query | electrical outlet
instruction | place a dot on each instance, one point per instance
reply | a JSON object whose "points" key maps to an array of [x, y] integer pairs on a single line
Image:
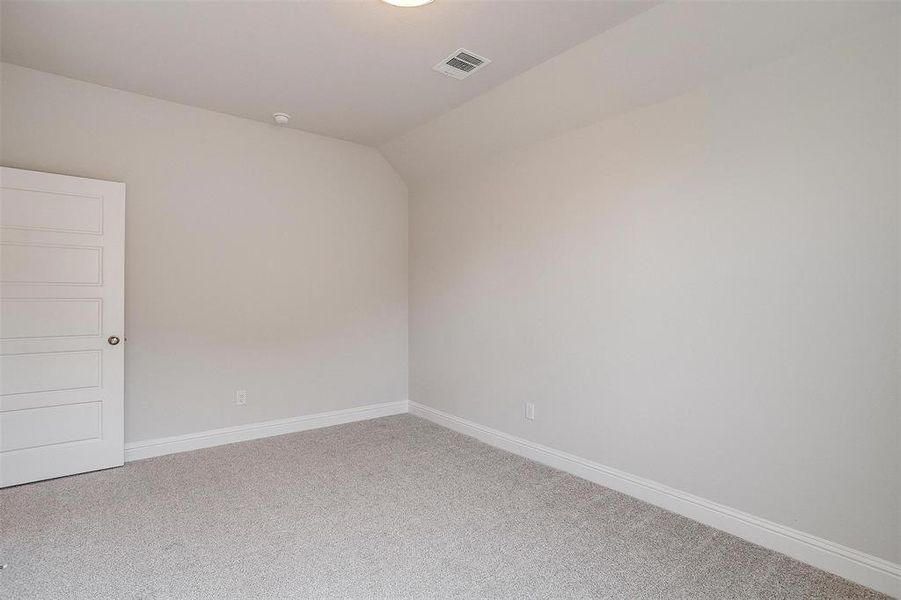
{"points": [[240, 397], [530, 411]]}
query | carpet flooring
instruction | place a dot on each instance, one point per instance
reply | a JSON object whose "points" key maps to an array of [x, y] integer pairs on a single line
{"points": [[390, 508]]}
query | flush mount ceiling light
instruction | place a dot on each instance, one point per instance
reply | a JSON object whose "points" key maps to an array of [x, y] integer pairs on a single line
{"points": [[407, 3]]}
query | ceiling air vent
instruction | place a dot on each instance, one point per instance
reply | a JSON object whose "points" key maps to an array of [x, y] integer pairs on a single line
{"points": [[461, 64]]}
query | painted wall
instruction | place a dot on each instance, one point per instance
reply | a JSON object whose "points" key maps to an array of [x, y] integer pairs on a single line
{"points": [[257, 258], [702, 291]]}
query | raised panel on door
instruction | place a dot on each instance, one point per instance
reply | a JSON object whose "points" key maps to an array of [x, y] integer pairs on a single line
{"points": [[61, 297], [49, 372], [50, 425], [47, 264], [35, 318], [52, 211]]}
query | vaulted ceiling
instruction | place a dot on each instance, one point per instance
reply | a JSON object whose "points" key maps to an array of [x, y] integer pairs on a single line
{"points": [[357, 70], [668, 50]]}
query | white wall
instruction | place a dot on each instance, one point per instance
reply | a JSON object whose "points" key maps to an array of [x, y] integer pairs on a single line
{"points": [[702, 292], [257, 258]]}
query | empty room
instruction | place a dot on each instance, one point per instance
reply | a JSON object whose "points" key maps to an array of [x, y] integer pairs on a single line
{"points": [[423, 299]]}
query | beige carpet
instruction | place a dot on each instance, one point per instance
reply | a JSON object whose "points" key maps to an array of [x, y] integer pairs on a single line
{"points": [[390, 508]]}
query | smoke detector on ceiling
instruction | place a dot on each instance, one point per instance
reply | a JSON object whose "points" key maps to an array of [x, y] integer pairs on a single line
{"points": [[281, 118], [461, 64]]}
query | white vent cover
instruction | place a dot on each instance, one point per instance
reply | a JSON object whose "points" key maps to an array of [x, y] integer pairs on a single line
{"points": [[461, 64]]}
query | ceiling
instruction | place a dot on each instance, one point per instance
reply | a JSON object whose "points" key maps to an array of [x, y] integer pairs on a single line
{"points": [[358, 70], [669, 50]]}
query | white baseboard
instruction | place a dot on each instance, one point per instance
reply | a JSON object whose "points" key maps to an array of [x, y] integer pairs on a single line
{"points": [[252, 431], [865, 569]]}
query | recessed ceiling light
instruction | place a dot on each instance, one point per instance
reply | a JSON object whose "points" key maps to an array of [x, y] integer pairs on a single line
{"points": [[407, 3]]}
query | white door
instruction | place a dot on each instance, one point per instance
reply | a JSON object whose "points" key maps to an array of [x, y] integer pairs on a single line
{"points": [[62, 313]]}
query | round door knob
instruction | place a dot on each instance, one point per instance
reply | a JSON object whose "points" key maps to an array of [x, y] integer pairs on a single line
{"points": [[113, 340]]}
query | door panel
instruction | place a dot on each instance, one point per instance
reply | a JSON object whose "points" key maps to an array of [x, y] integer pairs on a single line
{"points": [[62, 244], [34, 209], [25, 318], [49, 372], [50, 425], [50, 265]]}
